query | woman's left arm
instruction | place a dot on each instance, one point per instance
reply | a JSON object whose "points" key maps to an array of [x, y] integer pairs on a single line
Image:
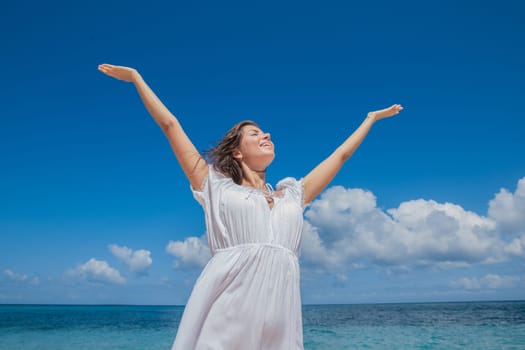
{"points": [[317, 179]]}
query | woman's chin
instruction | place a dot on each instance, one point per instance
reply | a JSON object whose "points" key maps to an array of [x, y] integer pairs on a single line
{"points": [[271, 160]]}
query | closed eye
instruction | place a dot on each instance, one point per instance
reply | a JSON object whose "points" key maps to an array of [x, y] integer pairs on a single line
{"points": [[254, 132]]}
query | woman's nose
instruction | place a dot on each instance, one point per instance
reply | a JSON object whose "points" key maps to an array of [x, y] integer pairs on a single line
{"points": [[266, 136]]}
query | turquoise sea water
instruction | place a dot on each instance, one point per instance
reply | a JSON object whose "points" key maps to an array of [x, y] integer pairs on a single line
{"points": [[474, 325]]}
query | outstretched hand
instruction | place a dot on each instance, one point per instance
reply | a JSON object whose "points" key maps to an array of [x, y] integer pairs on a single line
{"points": [[385, 113], [118, 72]]}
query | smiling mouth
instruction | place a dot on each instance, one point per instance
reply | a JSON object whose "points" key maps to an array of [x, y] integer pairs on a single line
{"points": [[266, 144]]}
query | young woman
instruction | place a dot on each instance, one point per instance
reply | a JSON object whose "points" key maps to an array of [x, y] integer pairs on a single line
{"points": [[247, 296]]}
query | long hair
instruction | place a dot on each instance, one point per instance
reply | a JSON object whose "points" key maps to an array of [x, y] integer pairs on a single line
{"points": [[221, 156]]}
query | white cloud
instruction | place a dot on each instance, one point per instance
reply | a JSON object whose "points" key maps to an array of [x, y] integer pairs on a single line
{"points": [[516, 246], [490, 281], [13, 276], [345, 227], [138, 261], [315, 252], [467, 283], [192, 252], [97, 271], [21, 278], [508, 209], [345, 230], [447, 233]]}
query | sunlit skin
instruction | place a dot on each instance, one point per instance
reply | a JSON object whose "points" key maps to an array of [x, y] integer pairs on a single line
{"points": [[253, 154]]}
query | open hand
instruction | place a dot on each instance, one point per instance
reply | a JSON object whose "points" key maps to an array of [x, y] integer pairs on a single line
{"points": [[118, 72], [385, 113]]}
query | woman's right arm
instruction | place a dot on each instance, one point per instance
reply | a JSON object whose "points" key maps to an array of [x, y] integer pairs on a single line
{"points": [[192, 163]]}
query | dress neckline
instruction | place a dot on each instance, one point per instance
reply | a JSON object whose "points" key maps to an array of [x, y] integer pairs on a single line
{"points": [[274, 195], [250, 190], [279, 194]]}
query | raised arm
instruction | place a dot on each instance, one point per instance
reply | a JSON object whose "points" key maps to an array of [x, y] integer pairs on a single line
{"points": [[192, 163], [317, 179]]}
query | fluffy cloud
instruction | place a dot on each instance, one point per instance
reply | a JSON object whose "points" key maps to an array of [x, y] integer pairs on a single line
{"points": [[21, 278], [490, 281], [314, 251], [345, 230], [138, 261], [192, 252], [97, 271], [508, 209], [344, 227]]}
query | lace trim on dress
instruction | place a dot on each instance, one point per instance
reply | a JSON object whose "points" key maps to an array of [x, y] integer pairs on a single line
{"points": [[303, 204], [268, 192], [296, 186]]}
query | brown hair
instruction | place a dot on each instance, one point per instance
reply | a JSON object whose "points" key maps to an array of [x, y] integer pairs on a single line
{"points": [[221, 155]]}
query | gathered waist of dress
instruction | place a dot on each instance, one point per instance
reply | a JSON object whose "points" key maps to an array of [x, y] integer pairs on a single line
{"points": [[248, 245]]}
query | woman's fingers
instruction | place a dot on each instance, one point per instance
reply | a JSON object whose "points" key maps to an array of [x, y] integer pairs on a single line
{"points": [[108, 70], [397, 108], [106, 67], [387, 112], [118, 72], [103, 67]]}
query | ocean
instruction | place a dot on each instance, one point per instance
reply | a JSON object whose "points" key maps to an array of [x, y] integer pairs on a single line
{"points": [[470, 325]]}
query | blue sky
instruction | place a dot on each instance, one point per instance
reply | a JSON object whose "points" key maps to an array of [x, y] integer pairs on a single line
{"points": [[95, 209]]}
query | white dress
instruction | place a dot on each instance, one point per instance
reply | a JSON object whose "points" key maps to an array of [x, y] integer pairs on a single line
{"points": [[247, 296]]}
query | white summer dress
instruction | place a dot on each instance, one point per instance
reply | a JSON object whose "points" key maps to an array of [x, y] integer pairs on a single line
{"points": [[247, 297]]}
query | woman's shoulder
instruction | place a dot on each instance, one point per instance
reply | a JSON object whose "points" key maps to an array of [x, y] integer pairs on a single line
{"points": [[289, 182], [213, 171], [294, 187], [213, 182]]}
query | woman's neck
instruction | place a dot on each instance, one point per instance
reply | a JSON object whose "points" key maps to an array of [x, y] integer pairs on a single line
{"points": [[254, 178]]}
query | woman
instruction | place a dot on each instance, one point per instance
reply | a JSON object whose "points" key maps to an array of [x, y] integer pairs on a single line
{"points": [[247, 296]]}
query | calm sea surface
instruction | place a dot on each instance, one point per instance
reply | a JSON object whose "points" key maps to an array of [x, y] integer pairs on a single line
{"points": [[484, 325]]}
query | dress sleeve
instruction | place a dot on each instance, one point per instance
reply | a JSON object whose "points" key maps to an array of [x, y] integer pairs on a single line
{"points": [[296, 188], [209, 185], [199, 194]]}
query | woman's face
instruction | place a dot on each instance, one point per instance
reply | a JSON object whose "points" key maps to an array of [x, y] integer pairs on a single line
{"points": [[256, 148]]}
